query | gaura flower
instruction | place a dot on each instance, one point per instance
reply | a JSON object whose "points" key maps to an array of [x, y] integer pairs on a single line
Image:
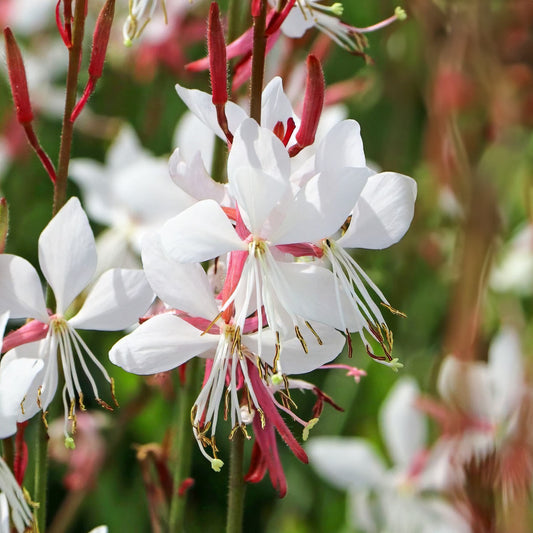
{"points": [[12, 497], [67, 257], [187, 330], [405, 498]]}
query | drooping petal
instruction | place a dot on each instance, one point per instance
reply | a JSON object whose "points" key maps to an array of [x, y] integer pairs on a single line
{"points": [[322, 206], [293, 359], [160, 344], [189, 289], [383, 213], [200, 233], [16, 377], [21, 292], [67, 253], [192, 177], [403, 427], [201, 105], [341, 147], [346, 462], [257, 147], [116, 301]]}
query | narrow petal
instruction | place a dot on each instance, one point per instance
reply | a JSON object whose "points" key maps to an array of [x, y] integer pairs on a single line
{"points": [[116, 301], [346, 462], [383, 213], [21, 292], [67, 253], [162, 343], [341, 147], [258, 148], [403, 427], [183, 286], [322, 206], [200, 233]]}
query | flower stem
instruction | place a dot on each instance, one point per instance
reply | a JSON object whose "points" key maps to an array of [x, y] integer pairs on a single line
{"points": [[40, 457], [236, 485], [258, 63], [60, 189], [183, 444]]}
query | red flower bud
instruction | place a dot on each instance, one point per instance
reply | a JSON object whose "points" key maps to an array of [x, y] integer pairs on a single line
{"points": [[17, 79], [217, 56]]}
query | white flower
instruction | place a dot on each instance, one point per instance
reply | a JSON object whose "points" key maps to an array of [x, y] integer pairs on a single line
{"points": [[171, 339], [403, 499], [131, 193], [67, 257]]}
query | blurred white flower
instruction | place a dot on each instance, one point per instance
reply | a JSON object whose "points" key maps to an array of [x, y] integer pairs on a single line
{"points": [[401, 499]]}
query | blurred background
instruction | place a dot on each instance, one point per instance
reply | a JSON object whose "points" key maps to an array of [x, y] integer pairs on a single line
{"points": [[448, 100]]}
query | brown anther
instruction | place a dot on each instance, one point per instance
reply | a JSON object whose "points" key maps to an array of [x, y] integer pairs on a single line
{"points": [[113, 395], [317, 337], [72, 409], [393, 311], [349, 341], [103, 404], [80, 402], [301, 339]]}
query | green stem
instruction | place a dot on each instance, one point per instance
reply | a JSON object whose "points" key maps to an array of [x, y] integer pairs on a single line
{"points": [[74, 57], [258, 64], [184, 441], [8, 451], [40, 458], [237, 485]]}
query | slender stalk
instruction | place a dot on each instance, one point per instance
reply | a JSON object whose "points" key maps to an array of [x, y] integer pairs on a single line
{"points": [[60, 189], [183, 441], [258, 63], [40, 457], [237, 486], [8, 450]]}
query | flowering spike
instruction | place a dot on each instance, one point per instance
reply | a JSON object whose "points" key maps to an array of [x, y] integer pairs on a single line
{"points": [[96, 65], [4, 224], [313, 102]]}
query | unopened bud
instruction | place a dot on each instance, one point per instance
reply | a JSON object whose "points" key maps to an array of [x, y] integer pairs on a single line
{"points": [[312, 109], [17, 79], [217, 56]]}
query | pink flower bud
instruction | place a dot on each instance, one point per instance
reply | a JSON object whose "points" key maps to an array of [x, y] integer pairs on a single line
{"points": [[217, 56]]}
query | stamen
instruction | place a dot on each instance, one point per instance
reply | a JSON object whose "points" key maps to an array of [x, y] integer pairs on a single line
{"points": [[318, 339], [301, 339]]}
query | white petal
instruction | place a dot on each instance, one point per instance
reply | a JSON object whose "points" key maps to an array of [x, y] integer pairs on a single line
{"points": [[95, 183], [403, 427], [258, 148], [296, 24], [183, 286], [21, 292], [160, 344], [256, 194], [341, 147], [193, 136], [507, 373], [192, 177], [312, 295], [116, 301], [200, 233], [293, 359], [322, 206], [466, 386], [16, 377], [67, 253], [346, 462], [383, 213], [275, 106], [202, 106], [125, 147]]}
